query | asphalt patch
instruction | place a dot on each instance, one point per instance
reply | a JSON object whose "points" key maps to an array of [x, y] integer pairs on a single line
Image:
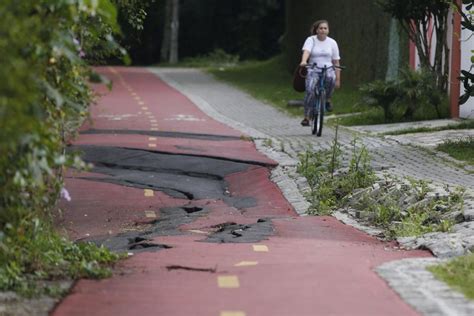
{"points": [[162, 134], [241, 233], [180, 176], [166, 225]]}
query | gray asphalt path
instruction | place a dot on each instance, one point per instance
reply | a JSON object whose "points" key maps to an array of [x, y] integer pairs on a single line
{"points": [[402, 155]]}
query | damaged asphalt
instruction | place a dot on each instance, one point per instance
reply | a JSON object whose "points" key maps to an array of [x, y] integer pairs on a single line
{"points": [[209, 232], [180, 176]]}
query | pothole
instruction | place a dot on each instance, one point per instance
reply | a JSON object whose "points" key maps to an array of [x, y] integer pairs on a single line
{"points": [[231, 232], [192, 209], [138, 243]]}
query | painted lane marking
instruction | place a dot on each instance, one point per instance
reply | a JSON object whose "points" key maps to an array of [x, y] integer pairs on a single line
{"points": [[149, 193], [153, 121], [232, 313], [152, 145], [196, 231], [228, 282], [150, 214], [153, 129], [260, 248], [185, 117], [144, 108], [141, 103], [152, 139], [246, 264]]}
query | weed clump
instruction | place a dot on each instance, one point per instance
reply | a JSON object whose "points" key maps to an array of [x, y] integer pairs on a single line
{"points": [[401, 207]]}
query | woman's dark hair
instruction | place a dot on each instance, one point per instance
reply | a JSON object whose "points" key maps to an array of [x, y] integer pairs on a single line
{"points": [[315, 26]]}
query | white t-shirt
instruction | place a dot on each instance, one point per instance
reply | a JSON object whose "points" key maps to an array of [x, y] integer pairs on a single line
{"points": [[321, 52]]}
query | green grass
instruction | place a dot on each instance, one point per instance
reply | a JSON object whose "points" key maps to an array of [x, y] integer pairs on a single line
{"points": [[467, 124], [461, 149], [269, 81], [457, 273]]}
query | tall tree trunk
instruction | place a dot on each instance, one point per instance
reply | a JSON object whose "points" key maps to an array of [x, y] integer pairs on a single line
{"points": [[165, 45], [174, 32]]}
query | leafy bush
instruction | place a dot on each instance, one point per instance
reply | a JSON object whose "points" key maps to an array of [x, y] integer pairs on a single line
{"points": [[44, 97], [402, 97]]}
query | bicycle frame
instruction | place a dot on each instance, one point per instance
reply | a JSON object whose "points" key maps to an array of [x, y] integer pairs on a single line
{"points": [[317, 113]]}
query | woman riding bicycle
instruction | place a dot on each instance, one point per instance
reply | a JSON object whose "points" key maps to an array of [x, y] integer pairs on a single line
{"points": [[321, 50]]}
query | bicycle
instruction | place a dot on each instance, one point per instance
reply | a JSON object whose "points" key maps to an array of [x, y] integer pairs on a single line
{"points": [[317, 113]]}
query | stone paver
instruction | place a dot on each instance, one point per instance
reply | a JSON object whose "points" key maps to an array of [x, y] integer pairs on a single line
{"points": [[418, 287], [405, 155]]}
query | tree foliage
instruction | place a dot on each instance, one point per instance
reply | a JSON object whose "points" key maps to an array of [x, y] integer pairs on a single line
{"points": [[248, 28], [415, 17], [45, 47]]}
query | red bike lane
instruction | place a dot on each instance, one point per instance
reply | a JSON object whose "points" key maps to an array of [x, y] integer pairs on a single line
{"points": [[231, 246]]}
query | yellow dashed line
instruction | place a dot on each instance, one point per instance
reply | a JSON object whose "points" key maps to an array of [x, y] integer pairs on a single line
{"points": [[228, 282], [197, 231], [246, 264], [260, 248], [148, 192], [232, 313], [150, 214]]}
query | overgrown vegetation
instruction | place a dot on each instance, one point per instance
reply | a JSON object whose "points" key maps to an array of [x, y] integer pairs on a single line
{"points": [[400, 99], [328, 183], [44, 97], [461, 149], [458, 273], [415, 17], [408, 207], [401, 207], [270, 82]]}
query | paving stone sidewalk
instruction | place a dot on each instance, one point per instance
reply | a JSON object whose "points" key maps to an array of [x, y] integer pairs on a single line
{"points": [[403, 155]]}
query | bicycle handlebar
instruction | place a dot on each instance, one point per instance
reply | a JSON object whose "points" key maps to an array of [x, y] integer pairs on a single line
{"points": [[325, 67]]}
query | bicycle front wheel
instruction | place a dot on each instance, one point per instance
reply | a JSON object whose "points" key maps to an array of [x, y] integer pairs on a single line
{"points": [[317, 127]]}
